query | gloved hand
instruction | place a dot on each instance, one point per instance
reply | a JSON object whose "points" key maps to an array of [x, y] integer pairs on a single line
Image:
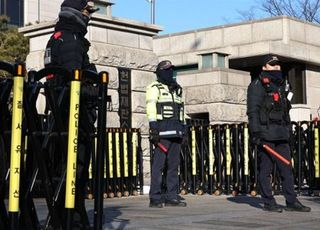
{"points": [[154, 132], [154, 136], [255, 138]]}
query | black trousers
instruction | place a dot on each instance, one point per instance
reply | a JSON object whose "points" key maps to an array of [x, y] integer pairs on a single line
{"points": [[265, 171], [158, 164]]}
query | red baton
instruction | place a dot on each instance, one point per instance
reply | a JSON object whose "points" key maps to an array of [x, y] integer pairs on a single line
{"points": [[277, 155], [163, 149]]}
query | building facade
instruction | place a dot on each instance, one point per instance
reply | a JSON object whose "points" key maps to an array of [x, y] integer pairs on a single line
{"points": [[213, 65], [221, 62]]}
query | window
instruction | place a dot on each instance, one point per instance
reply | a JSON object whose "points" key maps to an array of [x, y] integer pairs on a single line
{"points": [[221, 60], [207, 61]]}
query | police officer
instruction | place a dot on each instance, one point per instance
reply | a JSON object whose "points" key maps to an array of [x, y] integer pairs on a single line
{"points": [[268, 105], [165, 111], [68, 48]]}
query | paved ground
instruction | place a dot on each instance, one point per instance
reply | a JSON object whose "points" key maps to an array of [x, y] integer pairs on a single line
{"points": [[206, 212], [202, 212]]}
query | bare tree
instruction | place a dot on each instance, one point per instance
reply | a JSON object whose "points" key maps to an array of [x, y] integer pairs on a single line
{"points": [[248, 15], [307, 10]]}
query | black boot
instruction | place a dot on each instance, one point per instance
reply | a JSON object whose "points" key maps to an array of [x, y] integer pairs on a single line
{"points": [[155, 203], [175, 203], [272, 208], [297, 207]]}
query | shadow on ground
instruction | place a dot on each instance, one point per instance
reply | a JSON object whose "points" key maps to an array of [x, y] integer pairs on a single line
{"points": [[255, 202], [313, 199], [111, 218]]}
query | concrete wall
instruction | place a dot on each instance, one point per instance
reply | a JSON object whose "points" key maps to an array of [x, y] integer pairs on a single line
{"points": [[284, 36], [36, 11], [301, 112], [220, 92], [313, 89]]}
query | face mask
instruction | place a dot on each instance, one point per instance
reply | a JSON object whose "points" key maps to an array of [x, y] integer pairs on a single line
{"points": [[277, 74], [166, 76]]}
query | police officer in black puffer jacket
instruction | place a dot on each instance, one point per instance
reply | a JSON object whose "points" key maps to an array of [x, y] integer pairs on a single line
{"points": [[68, 48], [268, 105]]}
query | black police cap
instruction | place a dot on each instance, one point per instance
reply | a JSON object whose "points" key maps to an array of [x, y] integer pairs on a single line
{"points": [[166, 64], [271, 60], [80, 5], [76, 4]]}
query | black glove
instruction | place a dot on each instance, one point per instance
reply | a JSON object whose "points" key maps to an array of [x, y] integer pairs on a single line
{"points": [[154, 136], [255, 138]]}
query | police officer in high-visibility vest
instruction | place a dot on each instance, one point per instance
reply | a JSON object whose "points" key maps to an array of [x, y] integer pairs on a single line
{"points": [[165, 111], [268, 105]]}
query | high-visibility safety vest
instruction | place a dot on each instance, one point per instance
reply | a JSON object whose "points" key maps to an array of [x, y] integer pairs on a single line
{"points": [[166, 108]]}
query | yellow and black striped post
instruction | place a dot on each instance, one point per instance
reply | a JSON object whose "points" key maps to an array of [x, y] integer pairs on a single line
{"points": [[118, 164], [228, 159], [110, 165], [211, 158], [193, 158], [16, 146], [246, 156], [125, 163], [72, 145], [134, 143], [316, 153]]}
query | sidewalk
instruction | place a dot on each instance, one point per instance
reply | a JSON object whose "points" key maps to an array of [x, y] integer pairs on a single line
{"points": [[206, 212]]}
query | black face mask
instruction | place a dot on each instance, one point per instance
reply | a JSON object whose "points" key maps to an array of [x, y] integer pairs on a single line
{"points": [[276, 76], [165, 76]]}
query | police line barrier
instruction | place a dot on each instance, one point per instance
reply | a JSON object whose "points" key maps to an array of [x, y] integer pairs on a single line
{"points": [[43, 148], [123, 171], [219, 159]]}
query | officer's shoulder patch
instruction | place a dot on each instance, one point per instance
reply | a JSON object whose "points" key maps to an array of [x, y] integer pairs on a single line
{"points": [[57, 35]]}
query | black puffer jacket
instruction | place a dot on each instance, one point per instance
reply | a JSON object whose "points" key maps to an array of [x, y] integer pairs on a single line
{"points": [[68, 48], [268, 109]]}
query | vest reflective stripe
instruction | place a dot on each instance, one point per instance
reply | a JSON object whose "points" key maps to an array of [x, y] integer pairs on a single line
{"points": [[170, 133]]}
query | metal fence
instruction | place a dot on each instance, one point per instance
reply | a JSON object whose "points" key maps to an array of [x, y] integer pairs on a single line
{"points": [[38, 152], [219, 159]]}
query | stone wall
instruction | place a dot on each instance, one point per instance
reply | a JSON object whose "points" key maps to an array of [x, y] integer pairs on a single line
{"points": [[313, 89], [36, 11], [220, 92]]}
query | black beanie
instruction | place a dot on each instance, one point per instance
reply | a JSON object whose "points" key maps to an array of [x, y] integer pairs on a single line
{"points": [[76, 4]]}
